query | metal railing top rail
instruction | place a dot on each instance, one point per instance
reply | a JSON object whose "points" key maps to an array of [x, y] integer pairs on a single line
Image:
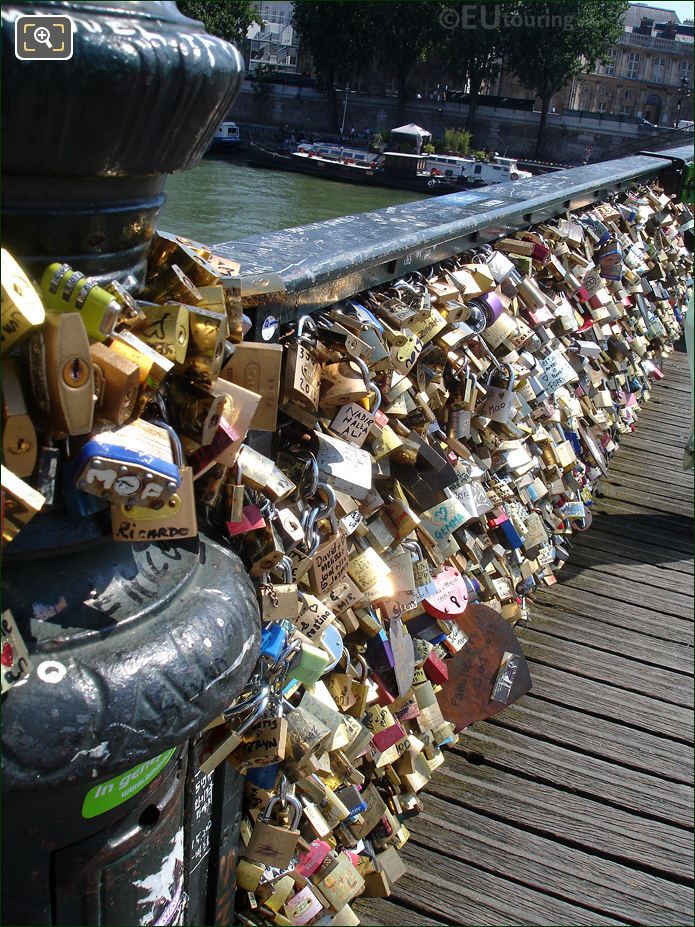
{"points": [[305, 268]]}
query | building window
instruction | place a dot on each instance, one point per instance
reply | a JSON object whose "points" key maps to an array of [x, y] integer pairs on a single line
{"points": [[686, 71], [659, 70], [602, 107], [626, 110], [609, 62], [632, 65]]}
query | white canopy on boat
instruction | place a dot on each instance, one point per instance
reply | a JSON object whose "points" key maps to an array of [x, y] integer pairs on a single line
{"points": [[411, 135]]}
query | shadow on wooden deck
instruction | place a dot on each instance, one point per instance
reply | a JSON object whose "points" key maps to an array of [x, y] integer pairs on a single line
{"points": [[575, 806]]}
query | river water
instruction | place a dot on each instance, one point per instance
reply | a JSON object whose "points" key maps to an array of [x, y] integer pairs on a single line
{"points": [[223, 199]]}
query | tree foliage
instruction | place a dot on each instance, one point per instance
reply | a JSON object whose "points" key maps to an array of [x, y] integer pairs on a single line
{"points": [[228, 19], [549, 43], [337, 35], [473, 49], [404, 34]]}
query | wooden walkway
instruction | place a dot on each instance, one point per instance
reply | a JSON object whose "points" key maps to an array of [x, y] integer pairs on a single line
{"points": [[575, 806]]}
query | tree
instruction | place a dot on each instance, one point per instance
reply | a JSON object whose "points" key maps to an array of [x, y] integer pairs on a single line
{"points": [[337, 35], [228, 19], [405, 33], [550, 43], [473, 49]]}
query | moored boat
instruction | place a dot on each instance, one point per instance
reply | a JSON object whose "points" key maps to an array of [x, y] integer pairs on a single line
{"points": [[227, 139], [334, 162]]}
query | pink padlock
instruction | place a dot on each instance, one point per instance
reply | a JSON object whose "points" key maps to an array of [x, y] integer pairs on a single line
{"points": [[310, 861], [451, 596]]}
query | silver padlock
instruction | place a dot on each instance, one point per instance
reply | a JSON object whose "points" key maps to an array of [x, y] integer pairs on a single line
{"points": [[499, 404]]}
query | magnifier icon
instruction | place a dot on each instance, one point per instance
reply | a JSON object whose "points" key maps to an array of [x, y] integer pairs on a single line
{"points": [[42, 35]]}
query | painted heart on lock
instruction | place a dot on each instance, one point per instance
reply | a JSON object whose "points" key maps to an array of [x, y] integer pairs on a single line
{"points": [[450, 597]]}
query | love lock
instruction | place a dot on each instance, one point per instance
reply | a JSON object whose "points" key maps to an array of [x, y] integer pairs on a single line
{"points": [[275, 844], [451, 596], [500, 403]]}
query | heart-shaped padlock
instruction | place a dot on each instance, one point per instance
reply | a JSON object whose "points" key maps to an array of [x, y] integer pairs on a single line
{"points": [[450, 597]]}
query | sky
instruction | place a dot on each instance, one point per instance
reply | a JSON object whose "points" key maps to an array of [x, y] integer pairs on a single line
{"points": [[684, 8]]}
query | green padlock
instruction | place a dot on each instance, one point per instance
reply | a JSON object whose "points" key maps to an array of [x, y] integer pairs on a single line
{"points": [[66, 290], [309, 664]]}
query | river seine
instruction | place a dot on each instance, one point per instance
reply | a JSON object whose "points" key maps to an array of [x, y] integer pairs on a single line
{"points": [[223, 199]]}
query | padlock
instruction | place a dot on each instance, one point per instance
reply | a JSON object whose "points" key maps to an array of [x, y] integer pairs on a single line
{"points": [[66, 290], [62, 375], [195, 412], [205, 353], [16, 665], [20, 503], [153, 367], [175, 520], [117, 384], [134, 463], [273, 844], [499, 404], [19, 441], [340, 685], [22, 309], [309, 664], [165, 328], [257, 367], [279, 601], [256, 704], [352, 422], [302, 368]]}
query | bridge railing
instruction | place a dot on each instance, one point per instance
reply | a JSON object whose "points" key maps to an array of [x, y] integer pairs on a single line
{"points": [[303, 269]]}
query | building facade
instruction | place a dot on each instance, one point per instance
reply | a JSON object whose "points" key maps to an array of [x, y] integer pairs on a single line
{"points": [[642, 75], [646, 73], [274, 43]]}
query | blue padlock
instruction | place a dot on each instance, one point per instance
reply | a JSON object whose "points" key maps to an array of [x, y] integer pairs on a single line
{"points": [[511, 535], [263, 776], [273, 641]]}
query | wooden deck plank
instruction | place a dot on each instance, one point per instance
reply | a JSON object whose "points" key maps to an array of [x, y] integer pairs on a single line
{"points": [[652, 488], [381, 912], [571, 819], [654, 532], [614, 563], [477, 895], [628, 550], [610, 740], [608, 612], [621, 463], [673, 531], [626, 642], [620, 672], [634, 791], [609, 889], [605, 701], [665, 601]]}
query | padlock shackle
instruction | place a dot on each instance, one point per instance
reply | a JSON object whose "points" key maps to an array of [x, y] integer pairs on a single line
{"points": [[414, 548], [306, 321], [265, 816], [249, 702], [177, 449], [310, 461]]}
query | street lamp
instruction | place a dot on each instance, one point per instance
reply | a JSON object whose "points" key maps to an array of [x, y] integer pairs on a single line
{"points": [[346, 92], [685, 91]]}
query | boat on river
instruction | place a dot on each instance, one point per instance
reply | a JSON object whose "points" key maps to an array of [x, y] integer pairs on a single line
{"points": [[471, 172], [353, 165], [226, 140]]}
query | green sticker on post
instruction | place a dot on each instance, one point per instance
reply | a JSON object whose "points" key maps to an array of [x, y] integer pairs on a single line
{"points": [[114, 792]]}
